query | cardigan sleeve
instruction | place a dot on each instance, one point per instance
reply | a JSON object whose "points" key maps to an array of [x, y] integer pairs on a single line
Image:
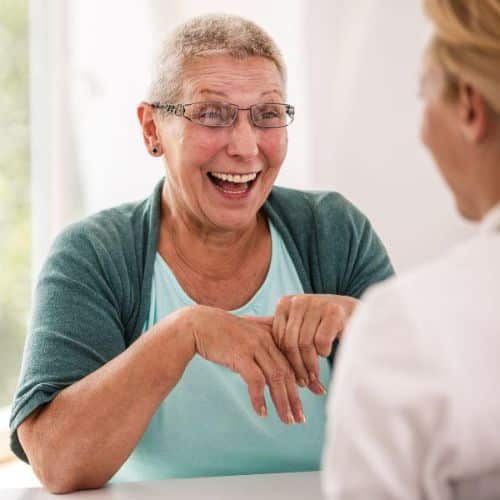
{"points": [[368, 263], [351, 255], [77, 323]]}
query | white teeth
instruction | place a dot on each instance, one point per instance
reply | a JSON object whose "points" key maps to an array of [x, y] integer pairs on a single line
{"points": [[235, 178]]}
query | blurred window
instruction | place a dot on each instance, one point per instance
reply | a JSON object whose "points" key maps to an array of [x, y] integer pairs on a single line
{"points": [[15, 188]]}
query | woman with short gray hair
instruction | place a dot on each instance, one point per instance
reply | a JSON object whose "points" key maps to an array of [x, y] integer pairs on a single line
{"points": [[155, 322]]}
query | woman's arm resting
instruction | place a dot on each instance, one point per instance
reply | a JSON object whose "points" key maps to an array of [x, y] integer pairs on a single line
{"points": [[81, 438]]}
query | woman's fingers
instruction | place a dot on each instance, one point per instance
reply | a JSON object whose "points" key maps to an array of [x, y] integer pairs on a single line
{"points": [[286, 329], [291, 384], [280, 378], [246, 346], [252, 374], [332, 323], [306, 342], [275, 378], [263, 320], [304, 328]]}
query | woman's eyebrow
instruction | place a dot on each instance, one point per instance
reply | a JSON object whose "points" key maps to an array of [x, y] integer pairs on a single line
{"points": [[275, 91]]}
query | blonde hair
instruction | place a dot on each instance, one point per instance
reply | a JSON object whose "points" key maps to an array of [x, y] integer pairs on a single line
{"points": [[207, 35], [466, 44]]}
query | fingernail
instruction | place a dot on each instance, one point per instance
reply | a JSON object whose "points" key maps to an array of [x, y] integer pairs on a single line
{"points": [[322, 387], [302, 382], [318, 388], [263, 411], [312, 376], [289, 418], [302, 417]]}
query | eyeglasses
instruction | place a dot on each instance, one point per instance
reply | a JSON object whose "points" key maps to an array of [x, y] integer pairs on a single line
{"points": [[224, 114]]}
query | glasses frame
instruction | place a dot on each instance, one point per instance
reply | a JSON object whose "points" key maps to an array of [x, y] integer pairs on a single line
{"points": [[180, 110]]}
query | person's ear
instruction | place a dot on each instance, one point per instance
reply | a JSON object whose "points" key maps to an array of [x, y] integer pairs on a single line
{"points": [[473, 113], [145, 113]]}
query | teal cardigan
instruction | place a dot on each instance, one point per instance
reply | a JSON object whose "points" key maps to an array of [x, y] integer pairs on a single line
{"points": [[93, 293]]}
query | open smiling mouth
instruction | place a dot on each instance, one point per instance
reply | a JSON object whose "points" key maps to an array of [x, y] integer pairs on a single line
{"points": [[233, 184]]}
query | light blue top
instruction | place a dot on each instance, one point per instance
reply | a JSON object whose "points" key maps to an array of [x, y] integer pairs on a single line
{"points": [[207, 426]]}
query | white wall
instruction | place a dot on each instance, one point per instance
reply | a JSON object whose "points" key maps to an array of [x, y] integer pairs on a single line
{"points": [[364, 58], [110, 44]]}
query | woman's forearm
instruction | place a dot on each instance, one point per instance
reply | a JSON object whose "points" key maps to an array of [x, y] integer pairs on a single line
{"points": [[87, 432]]}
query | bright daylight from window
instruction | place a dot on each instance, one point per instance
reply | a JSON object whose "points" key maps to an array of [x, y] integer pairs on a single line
{"points": [[15, 188]]}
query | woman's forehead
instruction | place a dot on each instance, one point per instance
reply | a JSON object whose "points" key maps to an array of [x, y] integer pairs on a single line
{"points": [[225, 77]]}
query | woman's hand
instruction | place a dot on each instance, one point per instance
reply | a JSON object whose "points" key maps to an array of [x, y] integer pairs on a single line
{"points": [[305, 326], [248, 348]]}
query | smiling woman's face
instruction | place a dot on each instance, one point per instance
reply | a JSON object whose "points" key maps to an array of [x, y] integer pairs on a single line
{"points": [[194, 152]]}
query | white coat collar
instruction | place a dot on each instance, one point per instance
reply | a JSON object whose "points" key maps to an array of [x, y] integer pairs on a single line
{"points": [[491, 221]]}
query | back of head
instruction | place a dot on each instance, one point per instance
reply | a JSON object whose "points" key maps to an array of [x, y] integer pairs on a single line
{"points": [[205, 36], [466, 44]]}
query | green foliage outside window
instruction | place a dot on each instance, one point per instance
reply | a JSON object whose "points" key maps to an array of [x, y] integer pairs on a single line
{"points": [[15, 187]]}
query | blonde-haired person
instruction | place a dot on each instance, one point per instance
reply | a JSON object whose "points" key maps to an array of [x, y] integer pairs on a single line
{"points": [[415, 408], [175, 337]]}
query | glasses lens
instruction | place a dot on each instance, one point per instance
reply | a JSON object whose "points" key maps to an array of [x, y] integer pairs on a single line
{"points": [[272, 115], [211, 114]]}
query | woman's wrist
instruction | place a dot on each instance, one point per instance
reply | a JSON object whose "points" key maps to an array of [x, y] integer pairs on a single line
{"points": [[177, 328]]}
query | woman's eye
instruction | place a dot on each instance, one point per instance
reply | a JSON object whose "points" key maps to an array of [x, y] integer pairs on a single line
{"points": [[210, 114], [270, 112]]}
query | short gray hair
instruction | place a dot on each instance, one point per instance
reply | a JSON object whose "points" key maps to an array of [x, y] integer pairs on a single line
{"points": [[208, 35]]}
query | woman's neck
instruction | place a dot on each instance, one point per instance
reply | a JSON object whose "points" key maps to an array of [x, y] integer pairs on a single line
{"points": [[209, 252]]}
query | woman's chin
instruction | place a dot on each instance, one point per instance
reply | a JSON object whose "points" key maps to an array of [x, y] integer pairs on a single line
{"points": [[232, 220], [232, 211]]}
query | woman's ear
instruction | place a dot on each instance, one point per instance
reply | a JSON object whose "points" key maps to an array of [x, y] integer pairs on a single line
{"points": [[145, 113], [473, 113]]}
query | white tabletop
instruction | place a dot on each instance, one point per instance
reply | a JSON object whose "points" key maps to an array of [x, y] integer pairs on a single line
{"points": [[290, 486]]}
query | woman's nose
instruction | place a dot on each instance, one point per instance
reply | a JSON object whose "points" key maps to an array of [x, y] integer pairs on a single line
{"points": [[243, 139]]}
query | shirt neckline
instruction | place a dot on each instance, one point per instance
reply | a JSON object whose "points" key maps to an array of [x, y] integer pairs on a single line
{"points": [[188, 300]]}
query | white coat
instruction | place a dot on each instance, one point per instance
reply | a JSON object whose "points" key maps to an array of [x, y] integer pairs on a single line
{"points": [[414, 409]]}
